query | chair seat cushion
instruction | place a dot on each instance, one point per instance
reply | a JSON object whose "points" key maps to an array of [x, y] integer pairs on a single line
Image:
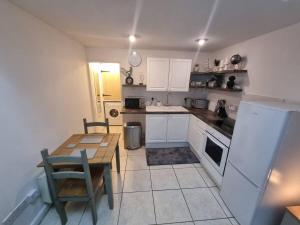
{"points": [[77, 187]]}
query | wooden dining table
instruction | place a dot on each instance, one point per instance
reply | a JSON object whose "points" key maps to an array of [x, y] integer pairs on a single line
{"points": [[103, 156]]}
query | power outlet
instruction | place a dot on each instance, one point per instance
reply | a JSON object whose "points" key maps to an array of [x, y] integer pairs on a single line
{"points": [[29, 199]]}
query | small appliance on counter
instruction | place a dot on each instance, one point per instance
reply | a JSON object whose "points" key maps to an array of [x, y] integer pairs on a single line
{"points": [[134, 102], [221, 108], [188, 102], [200, 103]]}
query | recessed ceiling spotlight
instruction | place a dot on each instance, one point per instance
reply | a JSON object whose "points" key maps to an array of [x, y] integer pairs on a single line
{"points": [[132, 38], [201, 41]]}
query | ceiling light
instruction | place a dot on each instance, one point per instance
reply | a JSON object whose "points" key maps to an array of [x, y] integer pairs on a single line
{"points": [[132, 38], [201, 41]]}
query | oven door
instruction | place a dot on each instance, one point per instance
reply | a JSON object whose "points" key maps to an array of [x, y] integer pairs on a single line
{"points": [[216, 153]]}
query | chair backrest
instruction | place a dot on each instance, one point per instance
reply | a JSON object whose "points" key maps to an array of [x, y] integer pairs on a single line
{"points": [[86, 125], [54, 176]]}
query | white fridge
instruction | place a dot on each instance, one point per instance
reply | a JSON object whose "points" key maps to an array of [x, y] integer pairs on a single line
{"points": [[262, 173]]}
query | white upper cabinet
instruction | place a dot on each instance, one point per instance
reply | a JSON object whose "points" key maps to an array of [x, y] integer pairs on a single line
{"points": [[157, 74], [168, 74], [179, 77]]}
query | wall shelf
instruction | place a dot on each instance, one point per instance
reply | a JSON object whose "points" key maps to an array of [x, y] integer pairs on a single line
{"points": [[134, 85], [224, 72], [220, 89]]}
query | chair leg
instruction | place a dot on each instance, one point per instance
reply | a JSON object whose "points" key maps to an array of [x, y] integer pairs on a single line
{"points": [[60, 209], [104, 187], [94, 210]]}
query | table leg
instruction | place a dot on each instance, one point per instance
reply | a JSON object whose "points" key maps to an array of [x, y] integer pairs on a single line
{"points": [[108, 185], [118, 158]]}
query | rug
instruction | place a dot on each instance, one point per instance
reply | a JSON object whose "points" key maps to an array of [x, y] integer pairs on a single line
{"points": [[169, 156]]}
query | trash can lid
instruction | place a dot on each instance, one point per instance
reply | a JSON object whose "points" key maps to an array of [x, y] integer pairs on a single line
{"points": [[132, 124]]}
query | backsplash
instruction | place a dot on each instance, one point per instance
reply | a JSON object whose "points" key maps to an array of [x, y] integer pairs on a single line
{"points": [[170, 98]]}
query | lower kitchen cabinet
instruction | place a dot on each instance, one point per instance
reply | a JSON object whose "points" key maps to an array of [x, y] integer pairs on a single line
{"points": [[177, 128], [196, 135], [156, 128], [166, 128]]}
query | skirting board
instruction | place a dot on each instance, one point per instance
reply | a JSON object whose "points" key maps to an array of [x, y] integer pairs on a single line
{"points": [[167, 145], [40, 215]]}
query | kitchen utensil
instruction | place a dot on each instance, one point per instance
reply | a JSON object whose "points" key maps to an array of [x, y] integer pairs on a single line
{"points": [[200, 103], [220, 109], [188, 102]]}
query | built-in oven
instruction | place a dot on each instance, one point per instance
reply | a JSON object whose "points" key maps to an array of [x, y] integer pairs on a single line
{"points": [[216, 152]]}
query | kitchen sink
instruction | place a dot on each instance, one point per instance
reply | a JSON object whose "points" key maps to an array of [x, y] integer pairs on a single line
{"points": [[152, 108]]}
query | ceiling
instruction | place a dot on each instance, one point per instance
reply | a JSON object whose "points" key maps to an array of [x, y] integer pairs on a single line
{"points": [[164, 24]]}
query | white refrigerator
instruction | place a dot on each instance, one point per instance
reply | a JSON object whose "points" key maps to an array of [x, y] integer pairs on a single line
{"points": [[262, 173]]}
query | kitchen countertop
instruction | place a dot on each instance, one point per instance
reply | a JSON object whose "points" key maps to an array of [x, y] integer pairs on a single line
{"points": [[143, 111], [205, 115]]}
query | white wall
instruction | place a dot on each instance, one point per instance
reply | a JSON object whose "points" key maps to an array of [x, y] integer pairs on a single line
{"points": [[121, 56], [44, 95], [272, 63]]}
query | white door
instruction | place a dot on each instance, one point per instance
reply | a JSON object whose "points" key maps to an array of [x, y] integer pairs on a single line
{"points": [[179, 77], [156, 128], [157, 74], [256, 135], [177, 128]]}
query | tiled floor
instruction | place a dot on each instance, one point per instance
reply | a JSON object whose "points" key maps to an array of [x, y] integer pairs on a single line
{"points": [[174, 195]]}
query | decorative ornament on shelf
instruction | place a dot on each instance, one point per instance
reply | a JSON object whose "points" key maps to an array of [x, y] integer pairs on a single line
{"points": [[230, 83], [196, 68], [236, 61], [141, 76], [216, 64], [128, 74]]}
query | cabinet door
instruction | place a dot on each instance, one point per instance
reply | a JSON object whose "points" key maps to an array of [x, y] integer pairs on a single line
{"points": [[196, 138], [157, 74], [156, 128], [179, 77], [177, 128]]}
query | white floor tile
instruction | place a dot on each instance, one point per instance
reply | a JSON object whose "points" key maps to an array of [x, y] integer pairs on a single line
{"points": [[209, 182], [117, 181], [164, 179], [233, 221], [213, 222], [187, 223], [202, 204], [158, 167], [216, 193], [106, 216], [74, 212], [182, 166], [141, 151], [136, 162], [137, 209], [170, 207], [137, 180], [189, 178]]}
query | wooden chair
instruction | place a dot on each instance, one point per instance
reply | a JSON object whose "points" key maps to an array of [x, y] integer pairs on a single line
{"points": [[81, 184], [86, 125]]}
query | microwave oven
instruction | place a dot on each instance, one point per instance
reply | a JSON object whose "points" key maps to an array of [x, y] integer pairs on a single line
{"points": [[134, 102]]}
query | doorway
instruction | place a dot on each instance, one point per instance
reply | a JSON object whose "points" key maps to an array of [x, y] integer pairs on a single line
{"points": [[106, 92]]}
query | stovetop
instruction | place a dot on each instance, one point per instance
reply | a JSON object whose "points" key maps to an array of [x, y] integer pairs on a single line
{"points": [[226, 125]]}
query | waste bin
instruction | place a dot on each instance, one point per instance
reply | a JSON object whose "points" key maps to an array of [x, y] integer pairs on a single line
{"points": [[132, 135]]}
